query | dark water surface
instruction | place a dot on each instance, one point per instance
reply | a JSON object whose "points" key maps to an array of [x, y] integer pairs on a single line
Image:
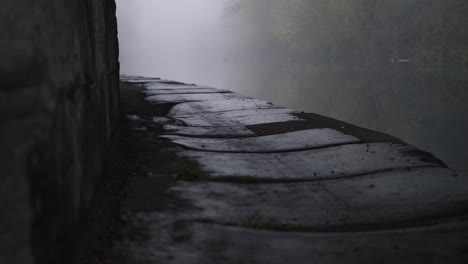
{"points": [[424, 108]]}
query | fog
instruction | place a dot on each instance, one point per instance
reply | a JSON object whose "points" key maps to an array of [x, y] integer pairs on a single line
{"points": [[177, 39], [396, 66]]}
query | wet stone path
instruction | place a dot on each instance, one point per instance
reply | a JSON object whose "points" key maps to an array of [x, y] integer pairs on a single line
{"points": [[224, 178]]}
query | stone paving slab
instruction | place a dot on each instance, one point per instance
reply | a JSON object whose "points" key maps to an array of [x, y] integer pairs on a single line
{"points": [[172, 87], [327, 163], [205, 107], [376, 201], [240, 117], [298, 140], [234, 131], [140, 81], [191, 242], [185, 91], [180, 98], [343, 201]]}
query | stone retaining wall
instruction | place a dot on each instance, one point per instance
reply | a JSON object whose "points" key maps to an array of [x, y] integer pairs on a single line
{"points": [[59, 99]]}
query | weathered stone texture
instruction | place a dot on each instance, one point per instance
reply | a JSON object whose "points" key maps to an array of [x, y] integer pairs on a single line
{"points": [[59, 75]]}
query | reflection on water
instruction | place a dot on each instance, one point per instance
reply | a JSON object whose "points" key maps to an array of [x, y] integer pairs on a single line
{"points": [[396, 66], [427, 109]]}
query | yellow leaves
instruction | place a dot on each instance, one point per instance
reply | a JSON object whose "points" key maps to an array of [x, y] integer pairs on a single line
{"points": [[284, 26], [305, 26]]}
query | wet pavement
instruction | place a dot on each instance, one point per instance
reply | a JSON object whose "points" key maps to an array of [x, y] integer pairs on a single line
{"points": [[223, 178]]}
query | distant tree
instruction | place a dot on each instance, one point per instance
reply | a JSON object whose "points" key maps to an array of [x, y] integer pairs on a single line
{"points": [[429, 33]]}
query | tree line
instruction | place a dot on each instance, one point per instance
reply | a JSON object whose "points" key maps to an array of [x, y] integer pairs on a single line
{"points": [[427, 34]]}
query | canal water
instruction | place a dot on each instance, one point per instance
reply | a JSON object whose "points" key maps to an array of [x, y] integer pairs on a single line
{"points": [[427, 109]]}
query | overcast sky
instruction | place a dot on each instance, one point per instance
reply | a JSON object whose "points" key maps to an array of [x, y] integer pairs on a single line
{"points": [[173, 39]]}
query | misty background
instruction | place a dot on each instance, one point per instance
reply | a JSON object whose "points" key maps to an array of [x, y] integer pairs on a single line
{"points": [[178, 39], [396, 66]]}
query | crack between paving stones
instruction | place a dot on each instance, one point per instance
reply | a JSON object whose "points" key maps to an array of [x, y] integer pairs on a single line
{"points": [[255, 180], [189, 93], [264, 152], [415, 223], [234, 110]]}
